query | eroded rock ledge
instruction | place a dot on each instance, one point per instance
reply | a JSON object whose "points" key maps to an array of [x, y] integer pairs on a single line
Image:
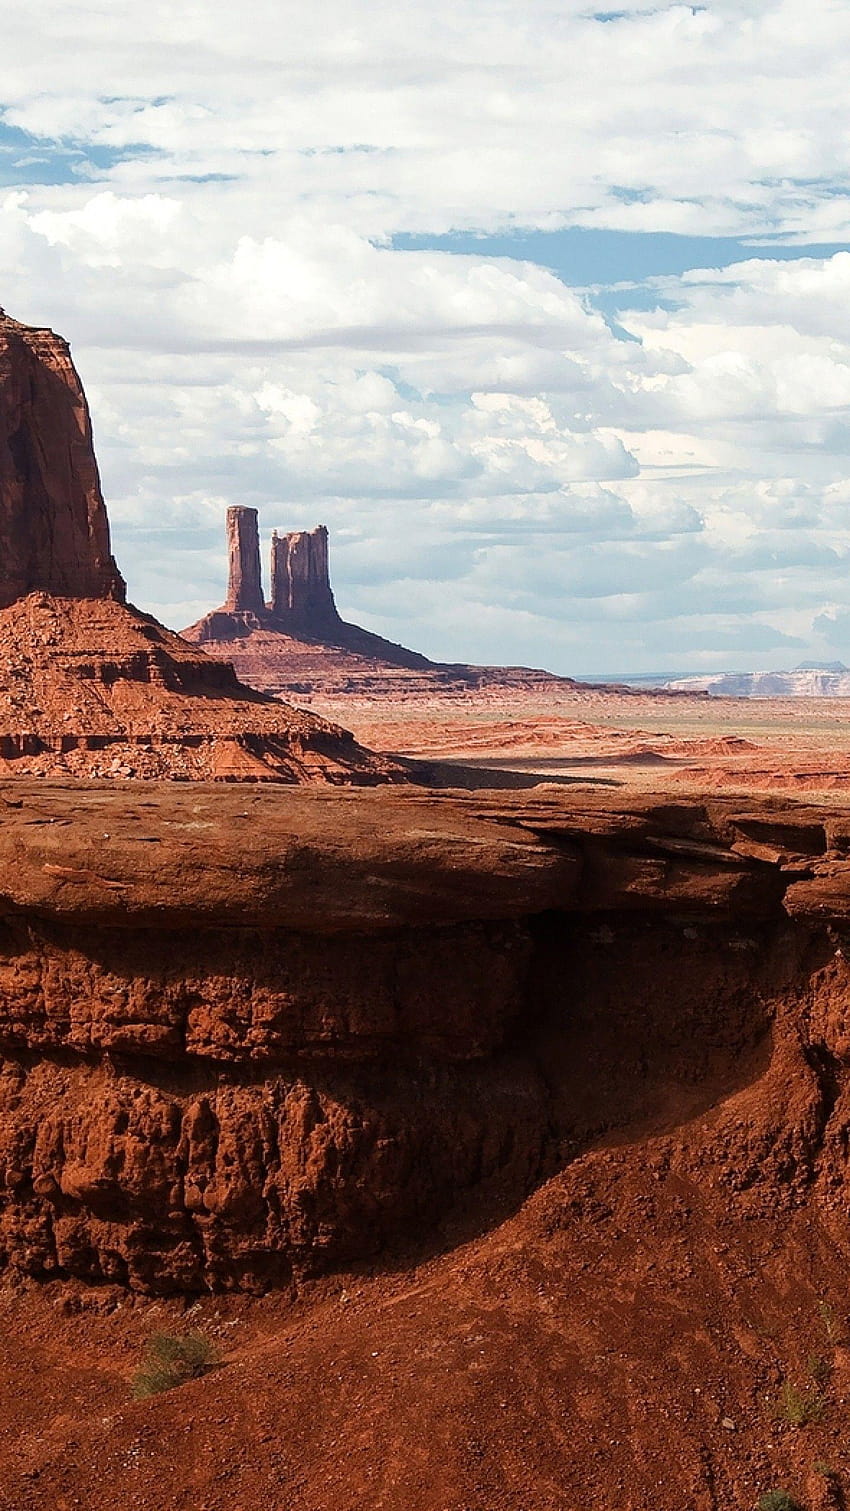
{"points": [[251, 1035]]}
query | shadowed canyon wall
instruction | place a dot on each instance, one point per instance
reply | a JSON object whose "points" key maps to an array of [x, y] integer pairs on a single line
{"points": [[244, 1043]]}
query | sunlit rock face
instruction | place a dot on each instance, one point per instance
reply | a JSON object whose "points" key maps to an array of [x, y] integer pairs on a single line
{"points": [[54, 532], [89, 685]]}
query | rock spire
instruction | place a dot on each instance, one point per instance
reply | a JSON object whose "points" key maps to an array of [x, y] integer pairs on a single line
{"points": [[300, 578], [245, 584], [301, 612]]}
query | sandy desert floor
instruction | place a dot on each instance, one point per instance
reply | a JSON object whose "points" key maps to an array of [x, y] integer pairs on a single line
{"points": [[644, 741]]}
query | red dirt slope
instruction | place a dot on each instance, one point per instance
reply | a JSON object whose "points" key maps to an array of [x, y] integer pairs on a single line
{"points": [[581, 1209], [90, 687]]}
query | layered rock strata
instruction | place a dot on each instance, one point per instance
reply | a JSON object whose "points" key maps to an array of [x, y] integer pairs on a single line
{"points": [[88, 685], [249, 1039]]}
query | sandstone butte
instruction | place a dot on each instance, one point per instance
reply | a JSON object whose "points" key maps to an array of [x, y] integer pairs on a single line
{"points": [[89, 685], [296, 644], [498, 1140]]}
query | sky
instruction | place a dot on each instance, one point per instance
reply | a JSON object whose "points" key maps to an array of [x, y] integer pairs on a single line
{"points": [[544, 311]]}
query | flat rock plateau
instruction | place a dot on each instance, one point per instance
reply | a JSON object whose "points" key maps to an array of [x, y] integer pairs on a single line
{"points": [[499, 1141], [484, 1101]]}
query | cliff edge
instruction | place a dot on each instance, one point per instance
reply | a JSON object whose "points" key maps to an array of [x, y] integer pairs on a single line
{"points": [[54, 532], [89, 686]]}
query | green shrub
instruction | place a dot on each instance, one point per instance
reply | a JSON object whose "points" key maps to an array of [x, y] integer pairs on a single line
{"points": [[171, 1359], [778, 1500], [798, 1407], [820, 1369], [821, 1467]]}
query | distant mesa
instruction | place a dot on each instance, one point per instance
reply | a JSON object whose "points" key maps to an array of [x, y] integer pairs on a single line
{"points": [[89, 686], [297, 645], [813, 679], [301, 605]]}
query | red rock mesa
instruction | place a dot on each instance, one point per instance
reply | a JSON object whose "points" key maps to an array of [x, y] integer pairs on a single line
{"points": [[54, 533], [298, 645], [88, 685]]}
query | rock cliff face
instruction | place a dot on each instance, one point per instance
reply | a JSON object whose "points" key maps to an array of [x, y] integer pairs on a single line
{"points": [[301, 584], [245, 1044], [54, 533], [244, 583], [804, 682], [88, 685]]}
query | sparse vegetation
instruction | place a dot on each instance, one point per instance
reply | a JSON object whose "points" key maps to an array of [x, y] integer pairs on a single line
{"points": [[799, 1407], [833, 1330], [778, 1500], [820, 1370], [171, 1359]]}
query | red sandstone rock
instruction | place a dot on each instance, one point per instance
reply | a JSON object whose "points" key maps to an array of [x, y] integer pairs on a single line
{"points": [[302, 613], [407, 991], [301, 584], [54, 533], [244, 584], [96, 689], [88, 686], [585, 1171]]}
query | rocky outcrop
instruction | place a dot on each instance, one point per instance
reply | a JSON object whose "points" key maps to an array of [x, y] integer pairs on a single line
{"points": [[250, 1038], [300, 579], [302, 610], [91, 688], [244, 583], [54, 533], [88, 685]]}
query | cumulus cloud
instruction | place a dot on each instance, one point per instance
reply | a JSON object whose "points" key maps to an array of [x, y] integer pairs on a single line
{"points": [[502, 465]]}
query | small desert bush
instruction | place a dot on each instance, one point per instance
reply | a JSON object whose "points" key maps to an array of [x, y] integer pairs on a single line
{"points": [[778, 1500], [171, 1359], [834, 1330], [820, 1370], [798, 1407], [821, 1467]]}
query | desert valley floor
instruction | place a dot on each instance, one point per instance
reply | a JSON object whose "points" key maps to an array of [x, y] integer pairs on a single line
{"points": [[638, 741]]}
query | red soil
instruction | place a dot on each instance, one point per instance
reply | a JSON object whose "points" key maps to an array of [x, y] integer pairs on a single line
{"points": [[92, 688], [576, 1204]]}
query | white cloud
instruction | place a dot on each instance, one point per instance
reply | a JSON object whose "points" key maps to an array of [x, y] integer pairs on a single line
{"points": [[493, 459]]}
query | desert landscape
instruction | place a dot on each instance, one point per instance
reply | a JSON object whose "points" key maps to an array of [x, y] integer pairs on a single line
{"points": [[456, 1057], [505, 722]]}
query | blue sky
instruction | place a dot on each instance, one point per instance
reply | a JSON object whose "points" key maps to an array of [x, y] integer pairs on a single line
{"points": [[544, 311]]}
